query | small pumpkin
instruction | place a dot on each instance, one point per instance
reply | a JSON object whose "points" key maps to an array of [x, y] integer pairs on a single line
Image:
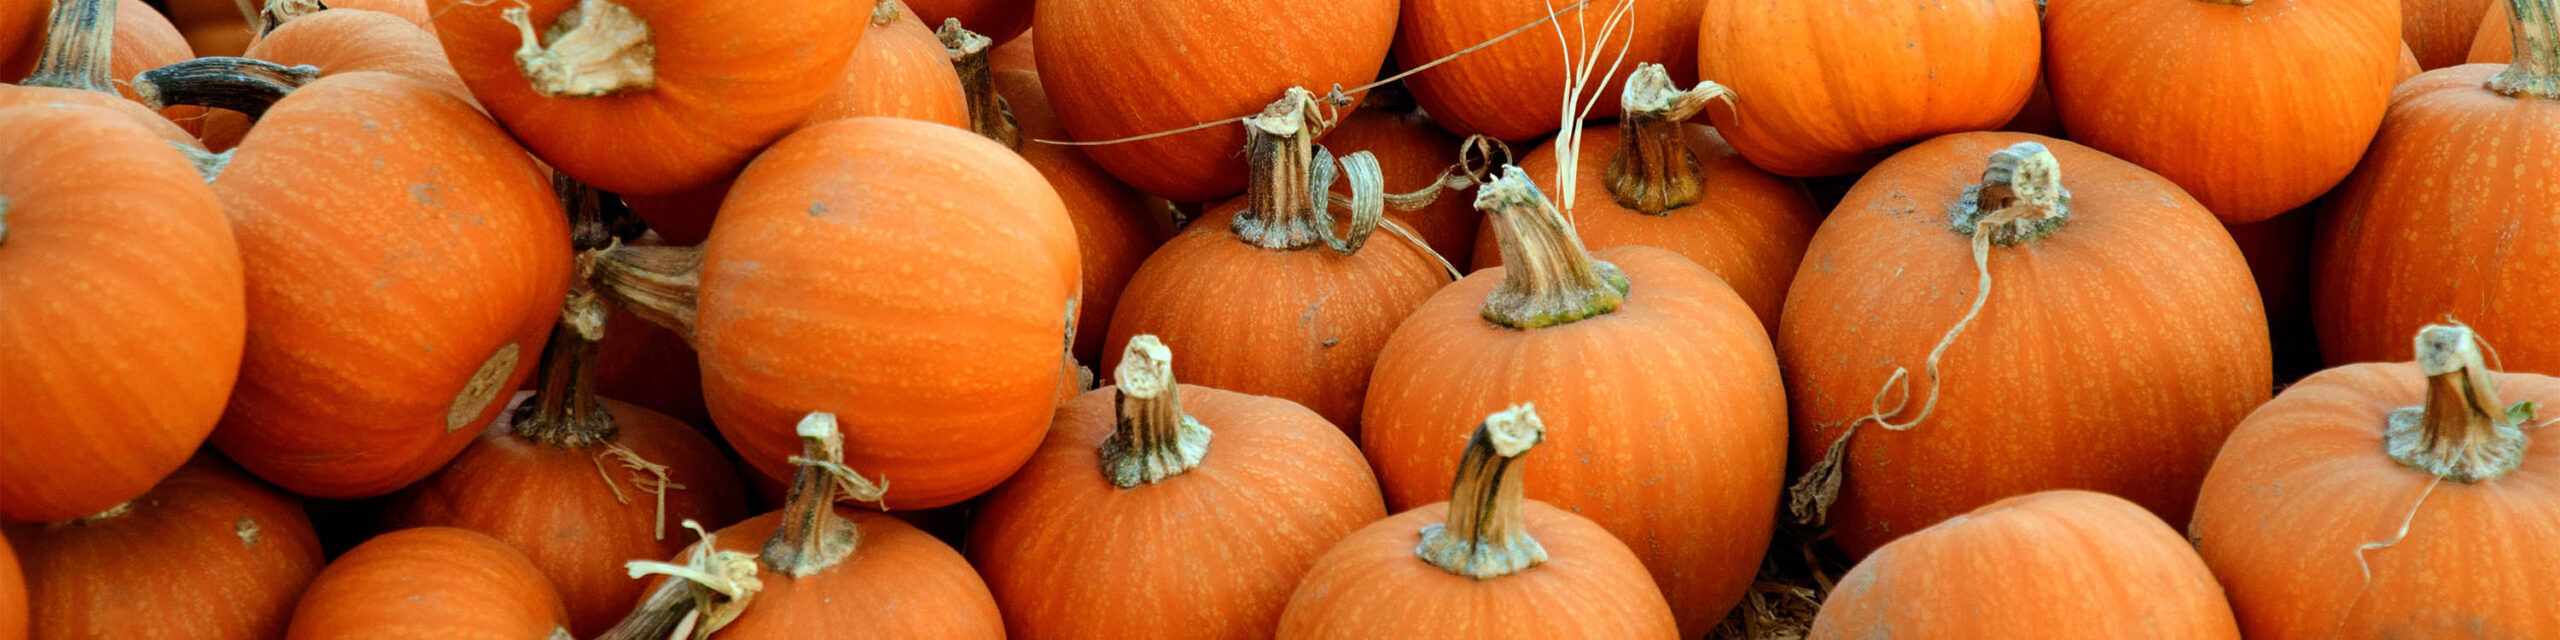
{"points": [[212, 27], [1132, 525], [229, 551], [80, 64], [2066, 564], [1480, 92], [1415, 152], [2413, 502], [1491, 563], [2439, 32], [429, 583], [1001, 21], [899, 70], [330, 42]]}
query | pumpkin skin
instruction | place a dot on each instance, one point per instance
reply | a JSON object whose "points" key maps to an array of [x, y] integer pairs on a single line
{"points": [[1589, 587], [429, 582], [2151, 100], [898, 583], [727, 84], [104, 221], [1115, 227], [899, 70], [341, 41], [144, 41], [1107, 68], [641, 360], [2495, 42], [2439, 171], [1013, 54], [2185, 355], [212, 27], [2440, 32], [1507, 90], [2290, 560], [1413, 152], [2057, 564], [2408, 65], [22, 31], [210, 553], [1000, 20], [1912, 71], [13, 595], [389, 309]]}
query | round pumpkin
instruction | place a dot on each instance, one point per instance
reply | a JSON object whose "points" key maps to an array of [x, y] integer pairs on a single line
{"points": [[838, 228], [2440, 32], [1679, 448], [1414, 152], [1507, 90], [81, 61], [1891, 73], [125, 320], [1116, 228], [332, 42], [1125, 525], [429, 582], [2121, 337], [2253, 106], [649, 97], [210, 553], [2065, 564], [392, 303], [998, 20], [2403, 500], [1122, 68], [1491, 563], [899, 70]]}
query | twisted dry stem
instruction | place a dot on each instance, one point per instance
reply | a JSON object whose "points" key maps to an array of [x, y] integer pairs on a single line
{"points": [[1654, 171], [1548, 278], [246, 85], [1153, 439], [1485, 536], [597, 48], [2534, 70], [2462, 432]]}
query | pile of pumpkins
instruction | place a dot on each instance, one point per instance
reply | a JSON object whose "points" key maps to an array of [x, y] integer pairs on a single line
{"points": [[467, 319]]}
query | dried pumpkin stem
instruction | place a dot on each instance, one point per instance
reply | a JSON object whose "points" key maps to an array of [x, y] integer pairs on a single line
{"points": [[246, 85], [2535, 69], [812, 536], [1290, 182], [1654, 171], [79, 49], [1485, 537], [278, 12], [1154, 439], [989, 115], [659, 284], [884, 12], [597, 48], [1548, 278], [564, 411], [699, 597], [2462, 432]]}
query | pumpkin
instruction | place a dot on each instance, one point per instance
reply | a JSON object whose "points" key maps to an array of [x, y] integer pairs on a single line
{"points": [[1482, 92], [390, 307], [1678, 448], [815, 568], [125, 319], [1415, 153], [2278, 250], [683, 218], [999, 20], [80, 65], [2248, 126], [2440, 217], [429, 582], [331, 42], [2412, 499], [1898, 73], [2494, 43], [1261, 294], [212, 27], [1490, 563], [1126, 68], [1979, 402], [22, 34], [210, 553], [1014, 54], [2409, 67], [1654, 179], [2440, 32], [143, 39], [1112, 510], [649, 97], [653, 366], [2072, 564], [833, 230], [899, 70], [13, 595]]}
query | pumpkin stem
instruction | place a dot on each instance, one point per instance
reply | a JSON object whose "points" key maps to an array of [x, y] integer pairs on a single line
{"points": [[884, 12], [564, 412], [988, 113], [2463, 432], [1485, 537], [1288, 192], [1154, 439], [2535, 69], [658, 284], [2020, 199], [4, 219], [1548, 278], [812, 536], [1654, 171], [707, 592], [246, 85], [278, 12], [597, 48], [208, 163], [77, 54]]}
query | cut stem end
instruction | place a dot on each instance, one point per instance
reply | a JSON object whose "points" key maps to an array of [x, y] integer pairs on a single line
{"points": [[1485, 536], [2462, 432], [1548, 278], [1154, 439], [1654, 172], [598, 48]]}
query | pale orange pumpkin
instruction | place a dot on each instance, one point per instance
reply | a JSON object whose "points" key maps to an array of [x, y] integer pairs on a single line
{"points": [[899, 70]]}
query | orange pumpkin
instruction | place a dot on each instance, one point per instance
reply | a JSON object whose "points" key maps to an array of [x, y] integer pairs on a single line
{"points": [[838, 227], [22, 35], [228, 551], [1122, 68], [2438, 219], [1125, 526], [1414, 152], [1656, 180], [2408, 64], [1892, 73], [1503, 90], [899, 70], [331, 42], [13, 596], [124, 323], [82, 62], [429, 583], [2494, 43], [2066, 564], [1645, 426], [392, 307], [1014, 54], [212, 27], [998, 20], [2440, 32], [1982, 402], [649, 97], [2390, 501], [143, 39], [654, 366], [1491, 563], [2248, 125]]}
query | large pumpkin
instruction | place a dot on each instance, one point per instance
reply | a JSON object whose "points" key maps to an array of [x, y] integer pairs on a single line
{"points": [[917, 279], [2107, 287], [1122, 68], [1506, 90], [2057, 564], [429, 583], [124, 320], [2253, 106], [1116, 507], [649, 97], [2391, 501], [2452, 213], [1678, 448], [1490, 563], [332, 42], [211, 553], [899, 70], [1890, 73]]}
